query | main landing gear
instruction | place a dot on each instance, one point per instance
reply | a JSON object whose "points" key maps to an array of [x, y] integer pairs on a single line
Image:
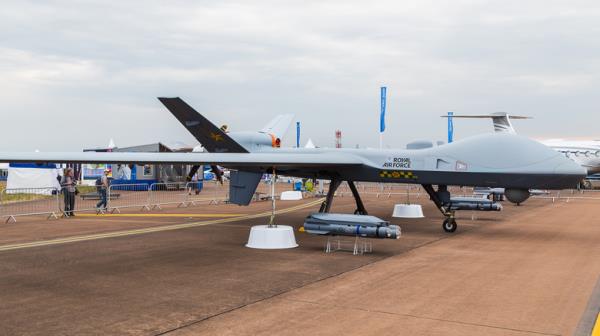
{"points": [[440, 198], [335, 183]]}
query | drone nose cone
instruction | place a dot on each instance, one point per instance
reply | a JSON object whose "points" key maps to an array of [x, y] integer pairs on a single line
{"points": [[568, 173], [569, 167]]}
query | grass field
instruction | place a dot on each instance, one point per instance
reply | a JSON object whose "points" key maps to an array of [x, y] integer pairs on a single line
{"points": [[86, 189], [23, 197], [12, 198]]}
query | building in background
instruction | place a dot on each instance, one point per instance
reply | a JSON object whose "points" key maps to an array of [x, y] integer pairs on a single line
{"points": [[3, 171], [124, 174]]}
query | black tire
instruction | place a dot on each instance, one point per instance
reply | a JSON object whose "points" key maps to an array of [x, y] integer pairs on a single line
{"points": [[449, 225]]}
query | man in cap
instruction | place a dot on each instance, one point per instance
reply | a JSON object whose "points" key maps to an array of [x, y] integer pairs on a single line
{"points": [[102, 191]]}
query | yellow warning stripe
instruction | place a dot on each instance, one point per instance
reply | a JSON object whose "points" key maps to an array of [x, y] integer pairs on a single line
{"points": [[162, 215], [74, 239], [398, 174], [596, 330]]}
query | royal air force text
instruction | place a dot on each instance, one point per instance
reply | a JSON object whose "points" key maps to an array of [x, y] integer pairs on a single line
{"points": [[398, 163]]}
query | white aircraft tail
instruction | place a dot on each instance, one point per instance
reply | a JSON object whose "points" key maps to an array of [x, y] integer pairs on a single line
{"points": [[279, 125], [501, 120]]}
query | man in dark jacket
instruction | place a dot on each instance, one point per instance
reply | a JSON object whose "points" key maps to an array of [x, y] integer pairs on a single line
{"points": [[68, 188]]}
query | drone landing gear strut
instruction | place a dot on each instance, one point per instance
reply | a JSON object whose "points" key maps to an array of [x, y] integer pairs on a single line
{"points": [[335, 183], [438, 197]]}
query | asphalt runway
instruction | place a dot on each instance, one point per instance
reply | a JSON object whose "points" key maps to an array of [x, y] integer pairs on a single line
{"points": [[529, 270]]}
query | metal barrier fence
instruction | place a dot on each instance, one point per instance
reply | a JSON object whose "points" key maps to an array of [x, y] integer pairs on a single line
{"points": [[83, 203], [167, 193], [49, 201], [29, 202], [213, 192], [570, 195], [121, 196]]}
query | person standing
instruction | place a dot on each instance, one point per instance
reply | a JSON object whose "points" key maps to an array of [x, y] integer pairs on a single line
{"points": [[195, 179], [68, 187], [102, 191]]}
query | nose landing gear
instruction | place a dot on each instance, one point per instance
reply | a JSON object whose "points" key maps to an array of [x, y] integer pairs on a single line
{"points": [[441, 197], [449, 225]]}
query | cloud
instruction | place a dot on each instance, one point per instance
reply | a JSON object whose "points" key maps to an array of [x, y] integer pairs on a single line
{"points": [[243, 62], [26, 68]]}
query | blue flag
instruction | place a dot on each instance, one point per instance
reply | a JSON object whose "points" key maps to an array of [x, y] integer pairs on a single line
{"points": [[450, 127], [297, 134], [382, 118]]}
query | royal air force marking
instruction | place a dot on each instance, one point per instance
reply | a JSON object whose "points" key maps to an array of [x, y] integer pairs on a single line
{"points": [[397, 163]]}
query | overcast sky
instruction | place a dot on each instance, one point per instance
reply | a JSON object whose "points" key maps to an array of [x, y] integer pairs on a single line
{"points": [[74, 74]]}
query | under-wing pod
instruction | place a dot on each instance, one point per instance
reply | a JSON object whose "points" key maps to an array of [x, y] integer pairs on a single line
{"points": [[473, 203], [517, 196], [350, 225]]}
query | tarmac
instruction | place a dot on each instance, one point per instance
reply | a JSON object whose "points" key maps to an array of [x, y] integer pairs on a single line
{"points": [[528, 270]]}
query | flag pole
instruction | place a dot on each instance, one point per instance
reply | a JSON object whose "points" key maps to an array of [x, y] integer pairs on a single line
{"points": [[450, 127], [382, 115]]}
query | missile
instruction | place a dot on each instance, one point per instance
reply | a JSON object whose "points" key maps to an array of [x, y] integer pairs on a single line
{"points": [[350, 225], [473, 203]]}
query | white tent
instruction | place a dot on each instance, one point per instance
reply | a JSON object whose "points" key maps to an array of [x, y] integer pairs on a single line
{"points": [[309, 144], [4, 166], [40, 179]]}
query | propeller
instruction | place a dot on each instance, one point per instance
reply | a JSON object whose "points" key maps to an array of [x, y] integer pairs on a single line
{"points": [[218, 173], [215, 170], [193, 172]]}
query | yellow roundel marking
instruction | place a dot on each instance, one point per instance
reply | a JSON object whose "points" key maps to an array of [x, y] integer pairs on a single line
{"points": [[216, 137]]}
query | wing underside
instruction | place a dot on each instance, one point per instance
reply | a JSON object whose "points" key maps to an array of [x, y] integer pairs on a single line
{"points": [[226, 159]]}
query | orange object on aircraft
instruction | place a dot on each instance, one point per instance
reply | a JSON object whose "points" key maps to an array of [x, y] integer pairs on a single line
{"points": [[275, 141]]}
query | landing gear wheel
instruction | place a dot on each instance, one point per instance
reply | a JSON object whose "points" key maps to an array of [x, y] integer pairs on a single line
{"points": [[449, 225]]}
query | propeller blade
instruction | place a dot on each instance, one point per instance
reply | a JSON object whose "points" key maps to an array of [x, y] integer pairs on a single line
{"points": [[218, 173]]}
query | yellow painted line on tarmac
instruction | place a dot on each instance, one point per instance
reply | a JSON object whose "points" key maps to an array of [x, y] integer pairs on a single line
{"points": [[134, 232], [596, 330], [162, 215]]}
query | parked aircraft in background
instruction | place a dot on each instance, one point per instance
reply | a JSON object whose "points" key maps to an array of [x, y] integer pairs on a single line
{"points": [[490, 160], [586, 153], [218, 140]]}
